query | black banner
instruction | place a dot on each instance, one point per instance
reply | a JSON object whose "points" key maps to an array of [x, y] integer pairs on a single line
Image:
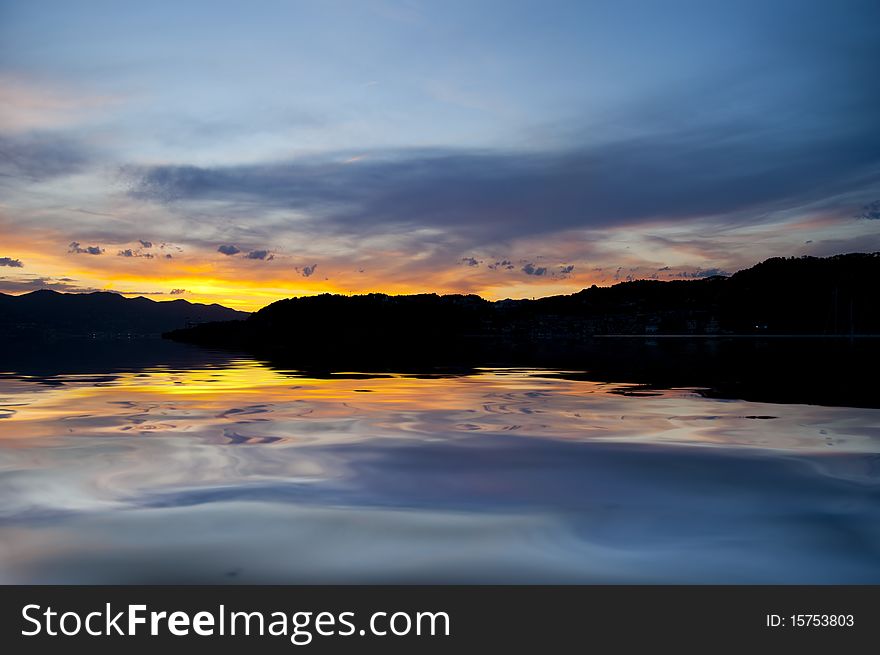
{"points": [[423, 619]]}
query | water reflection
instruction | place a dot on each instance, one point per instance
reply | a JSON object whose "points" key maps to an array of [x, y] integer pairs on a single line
{"points": [[227, 470]]}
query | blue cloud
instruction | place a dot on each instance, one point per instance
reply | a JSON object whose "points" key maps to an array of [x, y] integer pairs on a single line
{"points": [[729, 170], [40, 156], [871, 211]]}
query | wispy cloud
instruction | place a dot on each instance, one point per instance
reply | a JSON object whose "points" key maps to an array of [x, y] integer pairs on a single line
{"points": [[26, 106], [39, 156], [730, 171]]}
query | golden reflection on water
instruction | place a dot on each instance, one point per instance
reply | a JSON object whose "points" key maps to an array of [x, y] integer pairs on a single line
{"points": [[248, 403]]}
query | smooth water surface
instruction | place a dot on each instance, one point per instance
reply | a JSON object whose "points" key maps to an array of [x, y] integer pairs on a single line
{"points": [[225, 470]]}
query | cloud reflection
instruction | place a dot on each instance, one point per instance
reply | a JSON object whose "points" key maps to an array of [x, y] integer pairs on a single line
{"points": [[241, 473]]}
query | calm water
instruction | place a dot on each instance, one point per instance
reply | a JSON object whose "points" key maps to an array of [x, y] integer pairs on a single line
{"points": [[210, 469]]}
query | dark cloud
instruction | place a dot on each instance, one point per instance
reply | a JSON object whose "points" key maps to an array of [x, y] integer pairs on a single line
{"points": [[729, 169], [712, 272], [128, 252], [178, 292], [75, 247], [566, 270], [145, 244], [504, 264], [470, 261], [258, 254], [38, 156], [8, 261], [228, 249], [307, 271], [871, 211], [531, 269]]}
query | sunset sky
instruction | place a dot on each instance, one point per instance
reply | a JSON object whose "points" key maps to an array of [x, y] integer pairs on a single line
{"points": [[241, 152]]}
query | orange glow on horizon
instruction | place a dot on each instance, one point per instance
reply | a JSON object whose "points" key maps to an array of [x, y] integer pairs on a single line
{"points": [[198, 273], [247, 285]]}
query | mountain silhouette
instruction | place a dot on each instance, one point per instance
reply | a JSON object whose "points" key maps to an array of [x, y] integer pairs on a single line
{"points": [[46, 313], [795, 296]]}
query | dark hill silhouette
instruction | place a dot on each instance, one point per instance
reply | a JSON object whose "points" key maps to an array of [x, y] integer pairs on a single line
{"points": [[46, 313], [798, 296]]}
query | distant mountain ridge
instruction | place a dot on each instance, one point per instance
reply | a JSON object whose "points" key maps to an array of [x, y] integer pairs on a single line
{"points": [[46, 313], [799, 296]]}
